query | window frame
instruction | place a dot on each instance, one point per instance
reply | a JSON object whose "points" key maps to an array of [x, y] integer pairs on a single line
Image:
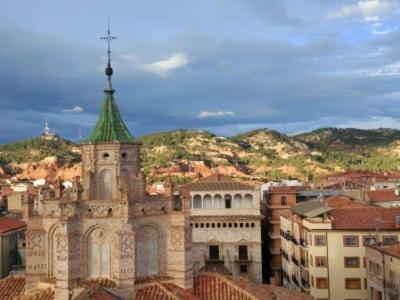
{"points": [[321, 258], [317, 283], [316, 236], [346, 281], [351, 236], [351, 257]]}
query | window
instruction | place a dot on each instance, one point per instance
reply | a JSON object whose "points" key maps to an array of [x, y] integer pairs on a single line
{"points": [[237, 201], [243, 268], [217, 203], [283, 200], [352, 262], [124, 155], [369, 240], [353, 283], [350, 241], [228, 201], [197, 201], [177, 202], [322, 283], [248, 201], [243, 252], [320, 261], [207, 202], [214, 252], [106, 155], [319, 240], [389, 240], [106, 185]]}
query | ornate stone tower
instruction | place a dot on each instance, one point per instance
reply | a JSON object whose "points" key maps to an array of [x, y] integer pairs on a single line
{"points": [[106, 226]]}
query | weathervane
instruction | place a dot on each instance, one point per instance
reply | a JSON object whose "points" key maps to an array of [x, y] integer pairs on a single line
{"points": [[109, 70]]}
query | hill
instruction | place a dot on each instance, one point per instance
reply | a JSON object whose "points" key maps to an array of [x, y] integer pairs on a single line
{"points": [[261, 154]]}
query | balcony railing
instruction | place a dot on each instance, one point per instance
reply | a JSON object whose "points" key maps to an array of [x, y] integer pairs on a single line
{"points": [[392, 288], [294, 240], [305, 284], [286, 235], [243, 259], [294, 260], [304, 263], [209, 259], [294, 279], [303, 243]]}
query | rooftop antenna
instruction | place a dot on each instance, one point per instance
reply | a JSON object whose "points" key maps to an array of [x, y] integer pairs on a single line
{"points": [[109, 70], [46, 129]]}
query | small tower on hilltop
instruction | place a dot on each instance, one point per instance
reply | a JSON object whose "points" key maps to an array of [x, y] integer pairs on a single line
{"points": [[47, 134]]}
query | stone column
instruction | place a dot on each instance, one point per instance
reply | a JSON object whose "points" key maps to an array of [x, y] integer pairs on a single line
{"points": [[179, 258]]}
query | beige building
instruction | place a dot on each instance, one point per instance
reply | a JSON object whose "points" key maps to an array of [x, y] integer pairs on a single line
{"points": [[323, 245], [383, 272], [225, 219]]}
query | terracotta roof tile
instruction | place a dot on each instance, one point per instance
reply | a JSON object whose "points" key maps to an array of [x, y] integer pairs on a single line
{"points": [[216, 182], [392, 250], [338, 202], [365, 218], [11, 287], [382, 195], [8, 224]]}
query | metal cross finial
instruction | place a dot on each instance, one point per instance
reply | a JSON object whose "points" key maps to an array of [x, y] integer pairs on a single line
{"points": [[109, 37]]}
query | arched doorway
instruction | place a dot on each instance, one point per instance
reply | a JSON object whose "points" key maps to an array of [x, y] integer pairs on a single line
{"points": [[147, 252]]}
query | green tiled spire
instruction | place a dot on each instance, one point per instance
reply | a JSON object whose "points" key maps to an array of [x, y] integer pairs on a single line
{"points": [[109, 127]]}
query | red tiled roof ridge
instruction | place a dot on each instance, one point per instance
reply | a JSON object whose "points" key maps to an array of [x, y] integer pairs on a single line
{"points": [[228, 281]]}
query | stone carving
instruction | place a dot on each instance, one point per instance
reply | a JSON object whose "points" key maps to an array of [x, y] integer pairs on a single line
{"points": [[127, 246], [36, 243], [61, 247]]}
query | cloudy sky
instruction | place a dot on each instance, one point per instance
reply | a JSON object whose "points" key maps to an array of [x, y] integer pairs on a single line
{"points": [[227, 66]]}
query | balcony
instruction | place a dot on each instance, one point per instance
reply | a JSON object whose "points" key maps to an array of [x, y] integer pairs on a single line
{"points": [[303, 243], [304, 263], [243, 259], [286, 235], [294, 260], [209, 259], [392, 289], [294, 280], [305, 284], [294, 240]]}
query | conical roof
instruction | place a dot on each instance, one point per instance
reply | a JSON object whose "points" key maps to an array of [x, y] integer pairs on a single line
{"points": [[110, 128]]}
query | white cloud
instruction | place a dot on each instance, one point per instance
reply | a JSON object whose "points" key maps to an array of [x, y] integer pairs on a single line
{"points": [[369, 10], [163, 67], [213, 114], [75, 109], [388, 70], [373, 123]]}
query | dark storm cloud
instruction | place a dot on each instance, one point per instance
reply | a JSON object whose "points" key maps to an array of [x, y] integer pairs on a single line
{"points": [[327, 76]]}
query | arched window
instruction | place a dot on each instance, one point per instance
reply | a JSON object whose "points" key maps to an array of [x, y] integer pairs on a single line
{"points": [[99, 254], [196, 201], [106, 186], [147, 252], [228, 201], [217, 201], [207, 202], [248, 201], [237, 201]]}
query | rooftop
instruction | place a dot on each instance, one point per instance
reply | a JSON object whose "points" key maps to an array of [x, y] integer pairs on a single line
{"points": [[216, 182], [206, 286], [392, 250], [9, 224], [365, 218], [382, 195]]}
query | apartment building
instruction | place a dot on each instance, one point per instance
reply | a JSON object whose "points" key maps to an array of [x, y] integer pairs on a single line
{"points": [[225, 219], [383, 272], [275, 200], [323, 245]]}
